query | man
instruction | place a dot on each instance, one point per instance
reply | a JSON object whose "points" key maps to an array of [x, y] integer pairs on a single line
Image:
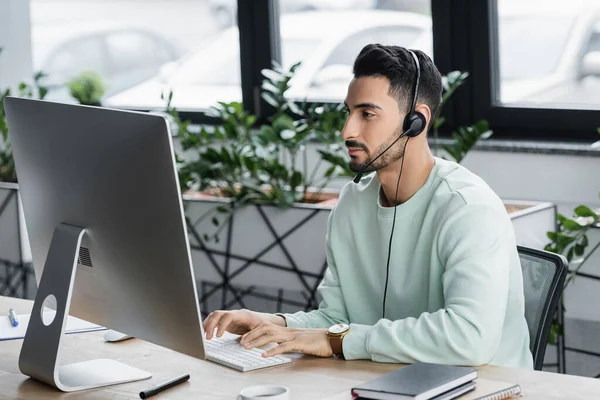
{"points": [[422, 260]]}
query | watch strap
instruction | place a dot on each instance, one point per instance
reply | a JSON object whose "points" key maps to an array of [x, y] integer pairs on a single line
{"points": [[336, 344]]}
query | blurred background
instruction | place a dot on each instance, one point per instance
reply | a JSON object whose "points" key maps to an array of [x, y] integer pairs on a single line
{"points": [[547, 55]]}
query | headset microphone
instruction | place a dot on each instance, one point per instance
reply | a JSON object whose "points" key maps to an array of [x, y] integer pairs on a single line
{"points": [[360, 173]]}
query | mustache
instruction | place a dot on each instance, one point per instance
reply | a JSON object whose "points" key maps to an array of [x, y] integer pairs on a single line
{"points": [[355, 144]]}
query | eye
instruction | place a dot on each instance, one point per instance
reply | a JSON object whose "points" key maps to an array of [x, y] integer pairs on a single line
{"points": [[367, 114]]}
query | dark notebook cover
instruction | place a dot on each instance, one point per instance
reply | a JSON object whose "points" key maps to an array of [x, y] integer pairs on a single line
{"points": [[416, 379]]}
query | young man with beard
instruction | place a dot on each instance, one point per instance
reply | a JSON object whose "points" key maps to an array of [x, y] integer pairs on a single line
{"points": [[422, 259]]}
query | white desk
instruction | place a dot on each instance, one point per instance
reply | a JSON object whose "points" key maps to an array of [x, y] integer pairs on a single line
{"points": [[307, 377]]}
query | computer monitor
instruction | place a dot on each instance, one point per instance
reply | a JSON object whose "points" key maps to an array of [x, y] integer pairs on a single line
{"points": [[103, 209]]}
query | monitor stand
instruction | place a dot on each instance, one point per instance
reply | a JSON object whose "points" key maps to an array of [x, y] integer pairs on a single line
{"points": [[39, 356]]}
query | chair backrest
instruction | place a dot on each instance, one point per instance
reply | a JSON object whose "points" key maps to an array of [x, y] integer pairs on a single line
{"points": [[544, 275]]}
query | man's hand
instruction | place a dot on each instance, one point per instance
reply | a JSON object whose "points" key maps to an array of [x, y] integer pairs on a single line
{"points": [[237, 322], [307, 341]]}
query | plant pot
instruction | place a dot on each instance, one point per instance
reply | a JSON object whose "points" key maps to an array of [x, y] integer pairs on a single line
{"points": [[16, 273], [267, 258], [531, 221]]}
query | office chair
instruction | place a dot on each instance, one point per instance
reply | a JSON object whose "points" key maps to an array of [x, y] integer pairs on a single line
{"points": [[544, 276]]}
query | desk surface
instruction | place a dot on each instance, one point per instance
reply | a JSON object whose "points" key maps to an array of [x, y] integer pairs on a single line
{"points": [[306, 377]]}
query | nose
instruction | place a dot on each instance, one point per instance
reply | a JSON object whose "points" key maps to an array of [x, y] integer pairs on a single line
{"points": [[350, 130]]}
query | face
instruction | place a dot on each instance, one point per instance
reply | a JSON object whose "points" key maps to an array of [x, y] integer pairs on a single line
{"points": [[374, 122]]}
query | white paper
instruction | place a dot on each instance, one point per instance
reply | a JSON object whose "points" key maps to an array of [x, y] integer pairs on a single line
{"points": [[74, 325]]}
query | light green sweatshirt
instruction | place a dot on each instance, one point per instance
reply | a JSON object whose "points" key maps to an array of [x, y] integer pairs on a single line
{"points": [[455, 292]]}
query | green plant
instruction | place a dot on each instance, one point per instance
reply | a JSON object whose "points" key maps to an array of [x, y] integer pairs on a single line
{"points": [[87, 88], [251, 163], [7, 165], [466, 137], [260, 163], [571, 240]]}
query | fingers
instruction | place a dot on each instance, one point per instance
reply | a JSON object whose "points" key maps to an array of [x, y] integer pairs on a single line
{"points": [[211, 322], [282, 348], [270, 337], [256, 332], [223, 324]]}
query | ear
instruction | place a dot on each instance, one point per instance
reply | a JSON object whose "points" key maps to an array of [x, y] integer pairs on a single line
{"points": [[424, 109]]}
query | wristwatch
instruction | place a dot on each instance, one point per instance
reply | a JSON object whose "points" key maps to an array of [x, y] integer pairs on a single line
{"points": [[336, 335]]}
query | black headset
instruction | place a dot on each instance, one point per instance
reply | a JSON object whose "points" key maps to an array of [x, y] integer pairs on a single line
{"points": [[414, 122], [413, 125]]}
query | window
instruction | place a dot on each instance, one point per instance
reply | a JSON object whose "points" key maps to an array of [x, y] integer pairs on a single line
{"points": [[548, 54], [138, 57], [224, 68], [338, 31], [534, 65]]}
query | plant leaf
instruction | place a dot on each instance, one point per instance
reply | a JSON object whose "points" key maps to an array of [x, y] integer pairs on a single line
{"points": [[296, 179], [570, 254], [270, 99], [584, 211], [571, 225]]}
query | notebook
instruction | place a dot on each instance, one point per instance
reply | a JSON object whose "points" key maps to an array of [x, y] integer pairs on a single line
{"points": [[419, 381], [9, 332], [488, 389], [459, 391]]}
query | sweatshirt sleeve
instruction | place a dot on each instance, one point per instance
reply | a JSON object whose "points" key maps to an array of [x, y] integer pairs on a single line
{"points": [[332, 309], [475, 245]]}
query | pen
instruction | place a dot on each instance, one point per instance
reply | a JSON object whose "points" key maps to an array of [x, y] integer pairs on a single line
{"points": [[13, 317], [163, 386]]}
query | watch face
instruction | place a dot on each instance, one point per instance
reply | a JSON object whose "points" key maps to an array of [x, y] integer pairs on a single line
{"points": [[339, 328]]}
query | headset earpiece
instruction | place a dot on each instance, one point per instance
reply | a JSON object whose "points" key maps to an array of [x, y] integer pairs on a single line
{"points": [[416, 124]]}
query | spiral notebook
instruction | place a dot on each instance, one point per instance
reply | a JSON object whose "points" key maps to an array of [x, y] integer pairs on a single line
{"points": [[488, 389]]}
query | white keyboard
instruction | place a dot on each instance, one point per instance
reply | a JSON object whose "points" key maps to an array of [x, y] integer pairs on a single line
{"points": [[228, 351]]}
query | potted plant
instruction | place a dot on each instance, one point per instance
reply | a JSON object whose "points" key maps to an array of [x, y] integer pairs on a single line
{"points": [[251, 200], [87, 88]]}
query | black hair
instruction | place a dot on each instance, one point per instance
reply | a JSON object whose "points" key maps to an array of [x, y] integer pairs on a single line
{"points": [[397, 65]]}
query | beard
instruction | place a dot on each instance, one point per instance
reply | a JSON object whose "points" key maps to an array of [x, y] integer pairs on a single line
{"points": [[388, 157]]}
